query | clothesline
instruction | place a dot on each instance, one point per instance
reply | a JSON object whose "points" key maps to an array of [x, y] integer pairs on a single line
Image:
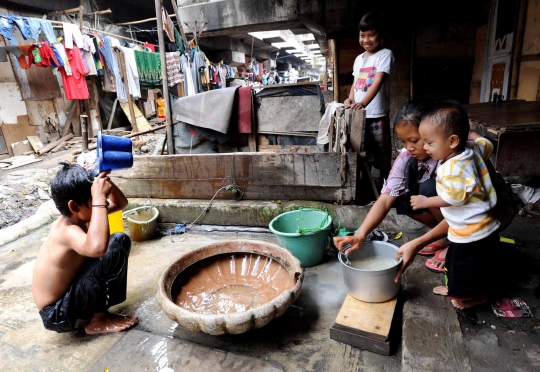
{"points": [[102, 32]]}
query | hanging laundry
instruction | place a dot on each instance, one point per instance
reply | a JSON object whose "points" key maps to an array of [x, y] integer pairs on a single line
{"points": [[174, 75], [23, 62], [198, 67], [152, 47], [71, 32], [132, 73], [59, 49], [109, 81], [58, 60], [149, 68], [6, 28], [112, 61], [30, 27], [42, 56], [9, 49], [47, 29], [178, 40], [185, 66], [75, 85], [168, 25]]}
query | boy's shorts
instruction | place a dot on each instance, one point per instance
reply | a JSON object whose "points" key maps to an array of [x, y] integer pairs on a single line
{"points": [[100, 284], [469, 267], [403, 202]]}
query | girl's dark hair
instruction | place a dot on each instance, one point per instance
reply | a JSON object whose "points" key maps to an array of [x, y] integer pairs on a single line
{"points": [[159, 94], [72, 182], [451, 118], [413, 111], [372, 21]]}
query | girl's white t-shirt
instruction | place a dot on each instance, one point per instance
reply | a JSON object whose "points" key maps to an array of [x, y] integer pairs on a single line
{"points": [[364, 71]]}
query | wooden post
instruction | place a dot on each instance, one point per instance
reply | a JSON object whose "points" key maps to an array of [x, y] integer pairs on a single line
{"points": [[335, 80], [128, 95], [84, 132], [179, 21], [112, 113], [170, 142], [517, 46]]}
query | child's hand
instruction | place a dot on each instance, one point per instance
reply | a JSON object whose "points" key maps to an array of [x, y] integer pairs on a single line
{"points": [[419, 202], [354, 241], [407, 251], [347, 103], [101, 188]]}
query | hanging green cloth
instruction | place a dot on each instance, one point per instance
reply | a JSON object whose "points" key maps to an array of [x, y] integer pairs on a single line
{"points": [[149, 68], [178, 41]]}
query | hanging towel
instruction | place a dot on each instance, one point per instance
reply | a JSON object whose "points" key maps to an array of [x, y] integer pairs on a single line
{"points": [[152, 47], [149, 68], [71, 32], [168, 25]]}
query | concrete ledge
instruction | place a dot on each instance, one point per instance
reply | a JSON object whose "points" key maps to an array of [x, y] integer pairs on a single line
{"points": [[45, 214], [260, 213]]}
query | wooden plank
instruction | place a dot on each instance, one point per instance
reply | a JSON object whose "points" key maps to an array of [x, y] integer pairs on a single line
{"points": [[52, 145], [289, 114], [141, 123], [319, 170], [371, 319], [206, 188], [111, 117], [356, 119], [35, 142], [252, 137], [19, 148], [345, 336], [292, 149], [427, 332], [69, 118]]}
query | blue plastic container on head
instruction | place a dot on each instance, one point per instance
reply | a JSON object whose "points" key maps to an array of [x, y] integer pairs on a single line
{"points": [[114, 153]]}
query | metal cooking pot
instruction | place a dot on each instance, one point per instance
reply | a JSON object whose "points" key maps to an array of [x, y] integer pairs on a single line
{"points": [[371, 285]]}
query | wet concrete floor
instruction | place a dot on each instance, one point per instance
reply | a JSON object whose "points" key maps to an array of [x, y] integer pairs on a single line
{"points": [[298, 341]]}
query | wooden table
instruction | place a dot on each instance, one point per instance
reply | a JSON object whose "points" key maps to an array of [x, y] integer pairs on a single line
{"points": [[514, 127]]}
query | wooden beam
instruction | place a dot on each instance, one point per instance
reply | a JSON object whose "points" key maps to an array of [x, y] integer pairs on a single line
{"points": [[72, 10], [170, 142], [84, 132], [113, 111], [52, 145]]}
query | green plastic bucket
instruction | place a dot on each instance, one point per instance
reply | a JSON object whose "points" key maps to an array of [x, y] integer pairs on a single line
{"points": [[308, 247]]}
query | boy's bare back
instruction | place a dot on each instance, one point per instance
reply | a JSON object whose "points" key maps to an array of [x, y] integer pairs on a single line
{"points": [[57, 264]]}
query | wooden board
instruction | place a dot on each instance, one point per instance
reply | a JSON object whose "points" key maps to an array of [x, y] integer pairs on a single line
{"points": [[142, 123], [17, 132], [289, 114], [366, 325], [291, 149], [19, 148], [262, 175], [35, 142], [373, 319]]}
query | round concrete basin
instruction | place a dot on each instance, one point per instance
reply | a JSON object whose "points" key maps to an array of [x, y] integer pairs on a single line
{"points": [[230, 286]]}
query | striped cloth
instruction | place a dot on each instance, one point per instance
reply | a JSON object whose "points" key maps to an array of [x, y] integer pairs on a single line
{"points": [[464, 182], [149, 68]]}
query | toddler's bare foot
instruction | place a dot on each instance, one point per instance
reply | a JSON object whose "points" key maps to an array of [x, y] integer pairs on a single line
{"points": [[106, 322], [469, 303], [441, 290]]}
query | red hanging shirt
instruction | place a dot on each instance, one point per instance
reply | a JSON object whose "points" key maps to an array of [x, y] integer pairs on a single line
{"points": [[75, 85]]}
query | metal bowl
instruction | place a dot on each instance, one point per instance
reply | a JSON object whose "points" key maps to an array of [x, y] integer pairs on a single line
{"points": [[372, 285], [247, 266]]}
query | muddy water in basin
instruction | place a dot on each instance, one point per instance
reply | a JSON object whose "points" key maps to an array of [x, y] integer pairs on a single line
{"points": [[230, 283]]}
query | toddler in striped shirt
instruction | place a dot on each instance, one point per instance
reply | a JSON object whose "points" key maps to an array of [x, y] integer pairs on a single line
{"points": [[465, 195]]}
